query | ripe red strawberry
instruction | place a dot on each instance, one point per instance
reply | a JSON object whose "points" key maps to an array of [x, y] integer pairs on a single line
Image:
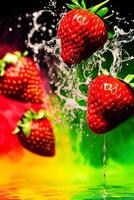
{"points": [[20, 78], [82, 32], [110, 102], [35, 133]]}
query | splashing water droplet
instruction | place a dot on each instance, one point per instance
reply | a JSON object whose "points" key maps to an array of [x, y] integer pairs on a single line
{"points": [[71, 84], [10, 29]]}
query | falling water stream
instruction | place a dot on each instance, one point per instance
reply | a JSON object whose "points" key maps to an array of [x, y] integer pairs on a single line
{"points": [[104, 169]]}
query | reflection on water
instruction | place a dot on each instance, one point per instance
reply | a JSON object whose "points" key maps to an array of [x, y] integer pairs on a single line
{"points": [[61, 192], [37, 178]]}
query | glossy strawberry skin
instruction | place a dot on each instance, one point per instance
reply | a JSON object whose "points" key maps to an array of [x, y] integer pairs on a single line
{"points": [[22, 81], [81, 33], [41, 140], [110, 102]]}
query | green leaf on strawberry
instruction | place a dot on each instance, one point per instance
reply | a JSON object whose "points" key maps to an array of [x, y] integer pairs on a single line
{"points": [[2, 67], [41, 114], [26, 128], [16, 130], [35, 133], [110, 102], [129, 78], [10, 58], [94, 9], [25, 123], [21, 80], [83, 4], [72, 6], [102, 12], [75, 2], [28, 115], [132, 85], [82, 31]]}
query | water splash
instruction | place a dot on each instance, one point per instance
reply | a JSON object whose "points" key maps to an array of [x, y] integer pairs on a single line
{"points": [[71, 84], [116, 47], [39, 28], [118, 55]]}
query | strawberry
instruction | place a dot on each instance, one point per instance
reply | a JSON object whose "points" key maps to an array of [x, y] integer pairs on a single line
{"points": [[20, 78], [82, 32], [11, 111], [110, 102], [35, 133]]}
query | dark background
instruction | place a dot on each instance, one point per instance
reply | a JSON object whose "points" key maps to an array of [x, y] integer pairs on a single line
{"points": [[13, 7]]}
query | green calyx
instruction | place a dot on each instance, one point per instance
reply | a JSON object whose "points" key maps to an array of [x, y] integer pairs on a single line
{"points": [[97, 9], [10, 58], [26, 122], [76, 4], [129, 79]]}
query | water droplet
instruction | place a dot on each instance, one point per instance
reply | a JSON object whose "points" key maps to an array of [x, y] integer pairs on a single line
{"points": [[10, 29]]}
